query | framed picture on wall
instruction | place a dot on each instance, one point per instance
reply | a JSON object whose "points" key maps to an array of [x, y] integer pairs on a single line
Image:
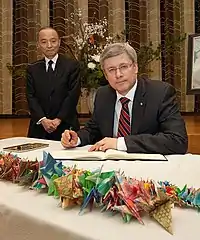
{"points": [[193, 64]]}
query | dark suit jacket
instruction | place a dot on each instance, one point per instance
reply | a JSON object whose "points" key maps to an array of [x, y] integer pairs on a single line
{"points": [[157, 126], [53, 98]]}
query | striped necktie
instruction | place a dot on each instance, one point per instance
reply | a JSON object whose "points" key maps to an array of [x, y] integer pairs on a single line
{"points": [[124, 126]]}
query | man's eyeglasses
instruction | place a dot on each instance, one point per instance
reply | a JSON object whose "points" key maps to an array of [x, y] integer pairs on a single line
{"points": [[123, 68]]}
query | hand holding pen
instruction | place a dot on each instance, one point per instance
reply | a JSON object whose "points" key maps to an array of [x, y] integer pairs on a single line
{"points": [[69, 139]]}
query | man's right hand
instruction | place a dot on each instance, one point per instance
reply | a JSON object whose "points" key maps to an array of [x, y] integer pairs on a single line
{"points": [[69, 139], [48, 125]]}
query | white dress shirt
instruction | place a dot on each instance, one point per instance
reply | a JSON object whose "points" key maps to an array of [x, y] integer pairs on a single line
{"points": [[54, 59], [121, 145]]}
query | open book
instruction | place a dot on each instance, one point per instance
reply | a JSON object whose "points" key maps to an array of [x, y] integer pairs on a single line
{"points": [[111, 154]]}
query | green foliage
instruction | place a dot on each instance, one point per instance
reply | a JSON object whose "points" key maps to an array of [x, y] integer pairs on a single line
{"points": [[90, 78], [18, 70], [93, 78], [148, 53]]}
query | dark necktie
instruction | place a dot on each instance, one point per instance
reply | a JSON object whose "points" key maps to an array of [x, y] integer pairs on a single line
{"points": [[50, 69], [124, 126]]}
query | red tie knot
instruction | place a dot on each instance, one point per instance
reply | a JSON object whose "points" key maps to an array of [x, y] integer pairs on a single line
{"points": [[124, 100]]}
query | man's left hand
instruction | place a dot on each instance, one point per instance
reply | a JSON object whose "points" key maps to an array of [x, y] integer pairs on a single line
{"points": [[56, 122], [104, 144]]}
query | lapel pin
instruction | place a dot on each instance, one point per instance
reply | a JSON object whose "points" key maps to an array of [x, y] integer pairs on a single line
{"points": [[141, 104]]}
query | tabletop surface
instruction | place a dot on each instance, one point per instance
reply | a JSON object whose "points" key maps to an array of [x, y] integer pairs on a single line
{"points": [[179, 169]]}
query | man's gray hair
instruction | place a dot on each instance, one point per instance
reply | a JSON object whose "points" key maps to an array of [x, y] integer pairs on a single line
{"points": [[116, 49]]}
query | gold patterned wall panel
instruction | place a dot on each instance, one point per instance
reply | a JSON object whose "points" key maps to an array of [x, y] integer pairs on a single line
{"points": [[173, 17], [62, 9], [178, 59], [143, 26], [42, 18], [144, 33], [144, 21], [20, 55], [133, 23], [167, 32], [103, 9], [116, 16], [5, 56], [93, 10], [59, 15], [27, 22], [43, 13], [83, 5], [153, 28], [1, 79], [33, 26], [187, 23]]}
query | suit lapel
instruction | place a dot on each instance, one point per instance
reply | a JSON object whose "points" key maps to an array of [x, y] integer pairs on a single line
{"points": [[43, 76], [42, 67], [139, 105], [59, 69], [109, 112]]}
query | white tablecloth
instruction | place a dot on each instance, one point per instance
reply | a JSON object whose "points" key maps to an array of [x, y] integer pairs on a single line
{"points": [[28, 215]]}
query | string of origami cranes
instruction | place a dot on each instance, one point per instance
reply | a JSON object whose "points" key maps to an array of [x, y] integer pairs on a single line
{"points": [[108, 190]]}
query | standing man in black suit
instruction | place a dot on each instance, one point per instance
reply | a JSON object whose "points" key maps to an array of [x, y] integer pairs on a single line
{"points": [[131, 114], [53, 90]]}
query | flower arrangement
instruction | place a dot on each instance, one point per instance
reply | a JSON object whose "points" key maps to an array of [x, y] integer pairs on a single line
{"points": [[86, 44]]}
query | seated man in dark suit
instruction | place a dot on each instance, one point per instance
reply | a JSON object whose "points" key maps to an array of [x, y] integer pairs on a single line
{"points": [[131, 114], [53, 90]]}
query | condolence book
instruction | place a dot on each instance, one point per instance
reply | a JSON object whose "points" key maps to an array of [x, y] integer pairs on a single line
{"points": [[111, 154]]}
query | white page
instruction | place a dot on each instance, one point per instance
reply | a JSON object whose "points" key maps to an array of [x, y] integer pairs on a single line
{"points": [[115, 154], [77, 154]]}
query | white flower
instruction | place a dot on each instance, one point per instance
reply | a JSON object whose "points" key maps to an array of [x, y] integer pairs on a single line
{"points": [[91, 65], [79, 13], [88, 39], [96, 58]]}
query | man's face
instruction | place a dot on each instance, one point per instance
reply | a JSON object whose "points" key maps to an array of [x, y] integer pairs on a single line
{"points": [[48, 42], [121, 73]]}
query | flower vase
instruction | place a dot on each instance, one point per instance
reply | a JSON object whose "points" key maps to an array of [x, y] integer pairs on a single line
{"points": [[91, 98], [83, 105]]}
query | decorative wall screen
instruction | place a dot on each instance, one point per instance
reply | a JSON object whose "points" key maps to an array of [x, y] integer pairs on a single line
{"points": [[145, 21]]}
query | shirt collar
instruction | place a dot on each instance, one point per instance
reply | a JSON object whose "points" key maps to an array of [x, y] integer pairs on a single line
{"points": [[130, 95], [54, 59]]}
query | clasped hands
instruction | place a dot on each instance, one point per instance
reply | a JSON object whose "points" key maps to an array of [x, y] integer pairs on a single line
{"points": [[50, 125], [70, 139]]}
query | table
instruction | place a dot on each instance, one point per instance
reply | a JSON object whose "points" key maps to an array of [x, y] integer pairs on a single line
{"points": [[28, 215]]}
